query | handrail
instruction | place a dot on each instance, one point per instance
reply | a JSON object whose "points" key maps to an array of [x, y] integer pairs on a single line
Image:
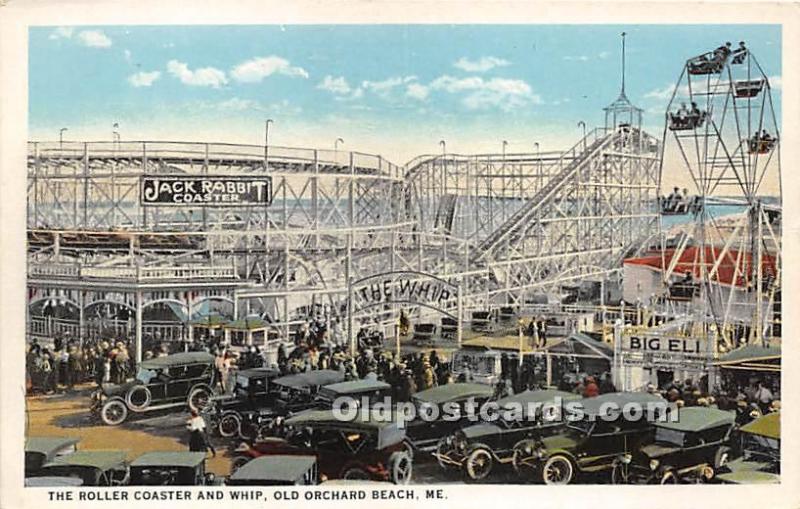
{"points": [[155, 150], [134, 273], [576, 160]]}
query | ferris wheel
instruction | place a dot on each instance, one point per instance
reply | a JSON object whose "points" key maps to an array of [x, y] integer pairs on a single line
{"points": [[722, 127]]}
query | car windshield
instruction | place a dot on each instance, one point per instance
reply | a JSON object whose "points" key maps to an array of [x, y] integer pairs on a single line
{"points": [[758, 447], [89, 475], [163, 476], [669, 436], [242, 382], [145, 375], [583, 426]]}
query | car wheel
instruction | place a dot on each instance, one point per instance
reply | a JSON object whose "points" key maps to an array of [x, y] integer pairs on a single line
{"points": [[356, 474], [400, 467], [558, 469], [114, 412], [229, 425], [138, 398], [248, 431], [478, 464], [669, 477], [199, 398], [620, 474], [238, 462], [721, 457]]}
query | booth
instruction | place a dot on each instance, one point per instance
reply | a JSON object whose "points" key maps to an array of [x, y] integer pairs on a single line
{"points": [[209, 326], [747, 364], [659, 356]]}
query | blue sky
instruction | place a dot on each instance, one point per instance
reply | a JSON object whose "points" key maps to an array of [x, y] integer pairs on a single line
{"points": [[389, 89]]}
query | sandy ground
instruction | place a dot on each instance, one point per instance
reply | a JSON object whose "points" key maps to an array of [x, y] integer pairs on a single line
{"points": [[67, 415]]}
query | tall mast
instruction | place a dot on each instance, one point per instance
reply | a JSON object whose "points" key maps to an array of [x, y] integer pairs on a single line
{"points": [[623, 63]]}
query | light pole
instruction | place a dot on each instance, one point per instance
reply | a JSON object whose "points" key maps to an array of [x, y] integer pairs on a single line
{"points": [[266, 142], [582, 125], [505, 144], [444, 168], [336, 144], [538, 160], [61, 137]]}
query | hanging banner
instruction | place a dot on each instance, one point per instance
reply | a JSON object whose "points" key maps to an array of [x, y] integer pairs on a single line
{"points": [[205, 191]]}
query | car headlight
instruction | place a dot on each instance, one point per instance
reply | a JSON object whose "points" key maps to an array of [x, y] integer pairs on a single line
{"points": [[653, 464], [626, 458], [528, 449], [540, 453]]}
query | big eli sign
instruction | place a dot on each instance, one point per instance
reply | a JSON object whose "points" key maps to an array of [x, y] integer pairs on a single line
{"points": [[665, 344], [204, 191]]}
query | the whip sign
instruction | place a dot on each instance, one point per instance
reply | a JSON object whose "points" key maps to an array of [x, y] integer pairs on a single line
{"points": [[206, 191]]}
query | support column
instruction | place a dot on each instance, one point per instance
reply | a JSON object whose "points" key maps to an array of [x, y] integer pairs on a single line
{"points": [[138, 327], [548, 359], [81, 327]]}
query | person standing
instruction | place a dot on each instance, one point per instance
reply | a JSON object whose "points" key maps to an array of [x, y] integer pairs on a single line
{"points": [[763, 397], [541, 330], [198, 438]]}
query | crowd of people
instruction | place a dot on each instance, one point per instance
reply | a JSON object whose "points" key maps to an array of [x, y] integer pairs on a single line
{"points": [[69, 362]]}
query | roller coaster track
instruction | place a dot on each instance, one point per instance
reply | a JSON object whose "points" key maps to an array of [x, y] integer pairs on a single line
{"points": [[516, 226]]}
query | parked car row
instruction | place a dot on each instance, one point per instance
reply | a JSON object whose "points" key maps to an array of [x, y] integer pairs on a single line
{"points": [[291, 416]]}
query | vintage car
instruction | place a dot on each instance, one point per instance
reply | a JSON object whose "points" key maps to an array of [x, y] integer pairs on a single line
{"points": [[226, 413], [760, 462], [424, 435], [359, 391], [277, 470], [689, 446], [170, 468], [592, 442], [294, 393], [251, 414], [476, 449], [93, 468], [359, 449], [41, 450], [172, 381]]}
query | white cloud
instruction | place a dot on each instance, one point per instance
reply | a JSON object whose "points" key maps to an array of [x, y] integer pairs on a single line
{"points": [[202, 77], [143, 79], [483, 64], [255, 70], [237, 104], [127, 54], [502, 93], [604, 54], [62, 33], [94, 39], [663, 93], [578, 58], [775, 82], [384, 87], [337, 85], [417, 91]]}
